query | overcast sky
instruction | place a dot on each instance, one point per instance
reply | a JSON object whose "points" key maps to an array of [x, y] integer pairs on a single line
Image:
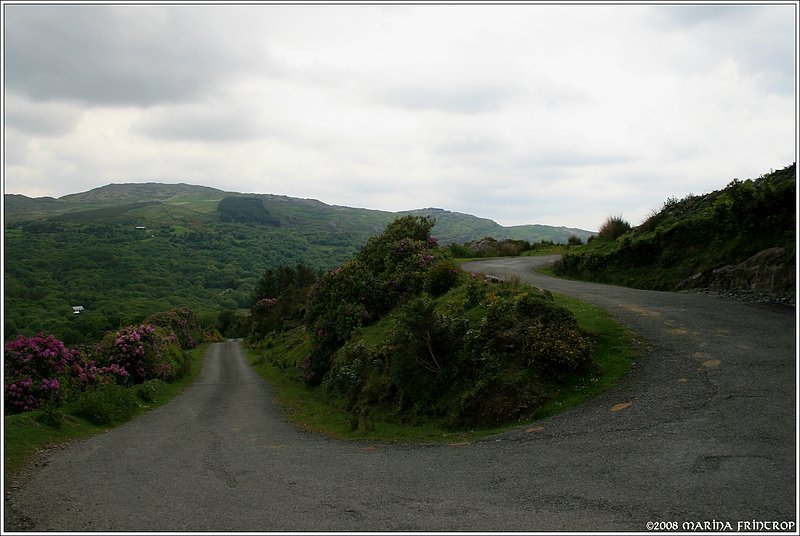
{"points": [[552, 114]]}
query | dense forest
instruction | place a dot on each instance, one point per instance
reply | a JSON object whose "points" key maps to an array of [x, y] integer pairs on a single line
{"points": [[245, 210], [120, 274]]}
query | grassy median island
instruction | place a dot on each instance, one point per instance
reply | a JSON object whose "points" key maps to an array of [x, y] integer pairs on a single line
{"points": [[319, 409], [400, 344]]}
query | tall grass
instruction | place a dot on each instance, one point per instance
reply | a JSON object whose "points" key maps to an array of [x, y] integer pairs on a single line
{"points": [[613, 228]]}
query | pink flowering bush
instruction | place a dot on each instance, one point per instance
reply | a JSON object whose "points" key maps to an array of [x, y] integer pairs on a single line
{"points": [[136, 354], [264, 304], [41, 371], [129, 352]]}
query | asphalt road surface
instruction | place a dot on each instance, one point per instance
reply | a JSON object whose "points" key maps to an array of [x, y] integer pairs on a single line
{"points": [[705, 434]]}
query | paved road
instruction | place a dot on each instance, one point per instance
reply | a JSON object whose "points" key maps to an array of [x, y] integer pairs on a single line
{"points": [[709, 436]]}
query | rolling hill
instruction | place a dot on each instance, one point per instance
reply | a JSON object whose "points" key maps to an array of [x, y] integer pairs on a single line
{"points": [[158, 203], [124, 251]]}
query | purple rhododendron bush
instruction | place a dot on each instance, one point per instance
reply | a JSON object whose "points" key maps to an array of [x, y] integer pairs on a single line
{"points": [[136, 354], [41, 372]]}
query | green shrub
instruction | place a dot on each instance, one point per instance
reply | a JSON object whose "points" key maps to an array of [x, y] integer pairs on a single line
{"points": [[50, 415], [390, 269], [456, 347], [474, 365], [556, 349], [574, 240], [512, 248], [496, 399], [694, 235], [183, 322], [351, 370], [107, 404], [442, 276], [426, 350], [476, 290], [280, 299], [613, 228], [148, 391], [460, 251]]}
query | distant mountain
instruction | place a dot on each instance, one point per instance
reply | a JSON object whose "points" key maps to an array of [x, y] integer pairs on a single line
{"points": [[138, 192], [165, 203], [17, 206], [461, 228]]}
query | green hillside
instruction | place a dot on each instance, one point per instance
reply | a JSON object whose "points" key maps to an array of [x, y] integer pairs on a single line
{"points": [[125, 251], [740, 239]]}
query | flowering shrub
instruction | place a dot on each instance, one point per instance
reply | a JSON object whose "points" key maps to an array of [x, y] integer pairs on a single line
{"points": [[183, 323], [21, 396], [139, 353], [265, 303], [41, 370], [37, 356], [131, 352]]}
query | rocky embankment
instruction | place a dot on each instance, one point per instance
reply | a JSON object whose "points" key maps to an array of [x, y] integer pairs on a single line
{"points": [[767, 276]]}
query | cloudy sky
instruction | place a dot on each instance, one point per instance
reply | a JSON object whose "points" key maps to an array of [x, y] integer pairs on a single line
{"points": [[554, 114]]}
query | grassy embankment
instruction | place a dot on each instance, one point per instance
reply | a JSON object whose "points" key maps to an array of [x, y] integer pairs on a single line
{"points": [[680, 245]]}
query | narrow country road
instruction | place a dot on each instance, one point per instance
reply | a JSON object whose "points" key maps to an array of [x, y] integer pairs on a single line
{"points": [[709, 436]]}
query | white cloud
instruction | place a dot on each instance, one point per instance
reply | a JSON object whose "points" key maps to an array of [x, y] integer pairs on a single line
{"points": [[207, 120], [557, 114], [45, 119], [125, 55]]}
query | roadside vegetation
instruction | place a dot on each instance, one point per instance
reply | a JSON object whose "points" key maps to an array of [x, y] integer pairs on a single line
{"points": [[680, 245], [490, 247], [399, 343], [53, 393]]}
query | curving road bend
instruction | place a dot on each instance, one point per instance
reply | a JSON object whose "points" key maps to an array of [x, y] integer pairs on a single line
{"points": [[708, 436]]}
